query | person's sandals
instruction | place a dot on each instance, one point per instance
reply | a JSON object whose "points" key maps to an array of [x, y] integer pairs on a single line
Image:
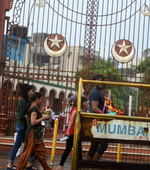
{"points": [[11, 167], [31, 168]]}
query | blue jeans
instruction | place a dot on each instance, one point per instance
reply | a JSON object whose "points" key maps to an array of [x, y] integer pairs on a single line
{"points": [[19, 139]]}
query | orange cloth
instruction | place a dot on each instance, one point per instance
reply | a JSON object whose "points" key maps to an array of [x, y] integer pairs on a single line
{"points": [[32, 146], [111, 108]]}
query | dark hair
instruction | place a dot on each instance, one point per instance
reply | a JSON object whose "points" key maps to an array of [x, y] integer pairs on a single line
{"points": [[23, 90], [43, 91], [101, 78], [31, 87], [35, 96], [83, 99], [98, 77]]}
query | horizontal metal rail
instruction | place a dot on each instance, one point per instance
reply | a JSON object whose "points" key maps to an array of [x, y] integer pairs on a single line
{"points": [[40, 76], [115, 83], [86, 146], [110, 117]]}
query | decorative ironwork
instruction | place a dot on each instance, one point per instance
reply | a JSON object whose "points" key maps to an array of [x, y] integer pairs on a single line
{"points": [[17, 11], [93, 18], [91, 29]]}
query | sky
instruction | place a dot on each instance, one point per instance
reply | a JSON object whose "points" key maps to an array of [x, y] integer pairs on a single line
{"points": [[117, 19]]}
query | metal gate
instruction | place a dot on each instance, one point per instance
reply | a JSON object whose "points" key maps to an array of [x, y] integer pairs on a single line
{"points": [[107, 37], [124, 149]]}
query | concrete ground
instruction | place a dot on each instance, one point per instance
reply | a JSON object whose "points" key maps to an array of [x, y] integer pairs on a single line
{"points": [[4, 160]]}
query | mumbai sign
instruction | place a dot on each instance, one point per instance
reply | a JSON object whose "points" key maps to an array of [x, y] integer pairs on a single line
{"points": [[121, 129]]}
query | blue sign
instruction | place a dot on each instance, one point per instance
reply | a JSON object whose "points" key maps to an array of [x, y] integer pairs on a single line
{"points": [[15, 48]]}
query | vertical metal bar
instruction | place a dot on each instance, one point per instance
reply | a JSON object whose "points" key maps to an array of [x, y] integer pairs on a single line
{"points": [[101, 30], [70, 35], [52, 155], [130, 106], [119, 154], [110, 32], [80, 39], [138, 35], [66, 33], [74, 64], [77, 127], [105, 36], [134, 36], [79, 95], [62, 57], [76, 143]]}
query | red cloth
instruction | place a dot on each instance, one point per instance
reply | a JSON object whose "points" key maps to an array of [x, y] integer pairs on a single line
{"points": [[71, 122]]}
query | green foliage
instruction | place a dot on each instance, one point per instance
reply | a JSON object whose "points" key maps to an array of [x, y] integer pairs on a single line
{"points": [[144, 94], [144, 66], [120, 95], [106, 68]]}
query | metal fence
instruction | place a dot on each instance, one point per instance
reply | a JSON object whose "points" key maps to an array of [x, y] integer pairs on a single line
{"points": [[105, 33]]}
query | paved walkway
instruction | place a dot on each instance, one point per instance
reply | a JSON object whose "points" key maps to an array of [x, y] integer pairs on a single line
{"points": [[4, 156]]}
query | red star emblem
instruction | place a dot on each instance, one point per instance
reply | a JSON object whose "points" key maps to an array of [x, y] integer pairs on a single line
{"points": [[55, 42], [55, 45], [123, 50]]}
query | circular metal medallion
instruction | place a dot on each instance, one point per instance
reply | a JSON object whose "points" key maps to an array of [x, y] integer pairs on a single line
{"points": [[55, 45], [145, 10], [123, 50]]}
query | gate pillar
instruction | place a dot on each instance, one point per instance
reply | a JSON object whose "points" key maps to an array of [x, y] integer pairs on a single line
{"points": [[5, 6]]}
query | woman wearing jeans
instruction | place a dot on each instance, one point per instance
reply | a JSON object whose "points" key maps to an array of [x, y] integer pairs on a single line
{"points": [[34, 144], [25, 92]]}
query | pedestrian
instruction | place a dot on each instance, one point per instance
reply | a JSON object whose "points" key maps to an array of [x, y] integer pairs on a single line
{"points": [[70, 132], [24, 93], [96, 105], [34, 144]]}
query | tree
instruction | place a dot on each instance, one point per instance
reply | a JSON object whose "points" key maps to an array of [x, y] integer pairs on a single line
{"points": [[144, 94], [107, 68], [143, 67]]}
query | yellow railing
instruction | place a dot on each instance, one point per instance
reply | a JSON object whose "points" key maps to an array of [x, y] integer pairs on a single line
{"points": [[52, 155], [103, 116]]}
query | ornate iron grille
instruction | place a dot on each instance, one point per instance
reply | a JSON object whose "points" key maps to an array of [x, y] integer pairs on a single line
{"points": [[90, 28], [98, 23]]}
